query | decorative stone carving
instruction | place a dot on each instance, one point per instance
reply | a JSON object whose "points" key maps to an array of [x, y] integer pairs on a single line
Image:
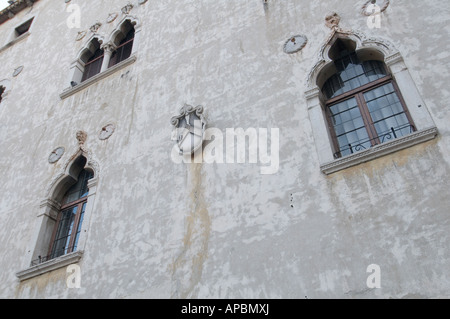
{"points": [[111, 17], [94, 28], [106, 132], [189, 129], [295, 44], [381, 45], [365, 7], [80, 35], [127, 8], [108, 47], [332, 20], [18, 71], [56, 155]]}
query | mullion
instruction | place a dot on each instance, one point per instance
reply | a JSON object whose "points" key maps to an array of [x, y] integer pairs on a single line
{"points": [[368, 122]]}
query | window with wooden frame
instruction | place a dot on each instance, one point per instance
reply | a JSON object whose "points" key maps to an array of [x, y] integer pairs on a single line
{"points": [[94, 61], [70, 218], [364, 106], [124, 48]]}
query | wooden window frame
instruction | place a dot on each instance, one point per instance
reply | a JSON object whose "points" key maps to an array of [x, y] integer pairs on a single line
{"points": [[120, 49], [88, 64], [358, 94], [79, 204]]}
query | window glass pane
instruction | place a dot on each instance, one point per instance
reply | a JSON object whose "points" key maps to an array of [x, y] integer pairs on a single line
{"points": [[80, 189], [65, 226], [387, 113], [79, 227], [351, 74], [349, 127]]}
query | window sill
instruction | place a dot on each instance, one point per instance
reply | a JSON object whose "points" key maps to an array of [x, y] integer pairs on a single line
{"points": [[18, 39], [50, 265], [70, 91], [379, 150]]}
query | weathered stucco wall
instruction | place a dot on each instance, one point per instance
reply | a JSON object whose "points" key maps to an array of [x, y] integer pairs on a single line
{"points": [[161, 229]]}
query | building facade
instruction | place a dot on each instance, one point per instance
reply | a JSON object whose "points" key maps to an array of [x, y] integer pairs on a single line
{"points": [[321, 164]]}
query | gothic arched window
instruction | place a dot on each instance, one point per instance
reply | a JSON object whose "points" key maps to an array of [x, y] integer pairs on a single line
{"points": [[124, 42], [93, 60], [70, 218], [363, 105]]}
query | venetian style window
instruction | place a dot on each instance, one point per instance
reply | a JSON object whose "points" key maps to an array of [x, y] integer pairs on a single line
{"points": [[70, 218], [94, 61], [124, 46], [364, 107], [102, 56]]}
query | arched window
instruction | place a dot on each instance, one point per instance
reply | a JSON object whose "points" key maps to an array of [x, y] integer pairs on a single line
{"points": [[99, 57], [93, 60], [2, 90], [363, 105], [70, 218], [124, 42], [62, 226]]}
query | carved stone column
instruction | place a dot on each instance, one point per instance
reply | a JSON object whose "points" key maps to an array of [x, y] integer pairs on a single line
{"points": [[108, 49]]}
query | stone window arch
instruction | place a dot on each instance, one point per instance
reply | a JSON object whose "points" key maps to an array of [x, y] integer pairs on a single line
{"points": [[122, 40], [363, 104], [380, 51], [63, 220], [69, 222], [92, 59], [89, 61]]}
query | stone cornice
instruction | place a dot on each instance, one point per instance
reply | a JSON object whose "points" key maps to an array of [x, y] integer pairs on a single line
{"points": [[15, 8]]}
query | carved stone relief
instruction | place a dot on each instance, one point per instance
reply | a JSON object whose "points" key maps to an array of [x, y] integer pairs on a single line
{"points": [[189, 129], [295, 44]]}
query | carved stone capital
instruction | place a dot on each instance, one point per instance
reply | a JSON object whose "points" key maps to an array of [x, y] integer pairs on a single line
{"points": [[108, 47]]}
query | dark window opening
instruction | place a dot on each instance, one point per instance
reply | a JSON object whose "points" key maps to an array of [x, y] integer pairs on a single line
{"points": [[123, 50], [23, 28], [364, 106], [94, 62], [2, 90]]}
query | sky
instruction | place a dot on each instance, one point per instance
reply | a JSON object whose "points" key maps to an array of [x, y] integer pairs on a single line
{"points": [[3, 4]]}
